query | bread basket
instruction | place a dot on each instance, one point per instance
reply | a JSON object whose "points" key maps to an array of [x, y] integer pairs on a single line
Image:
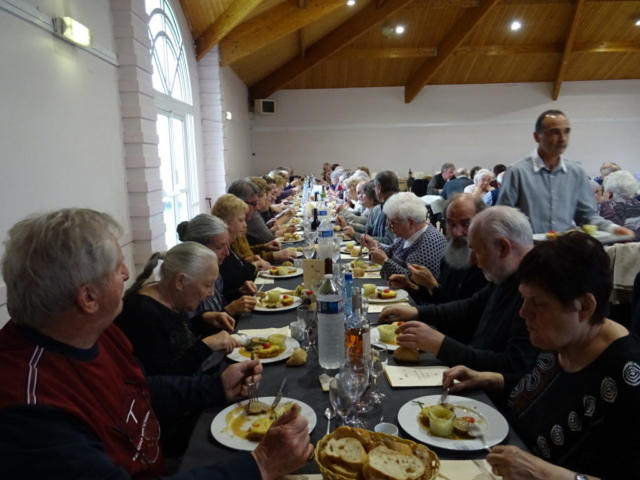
{"points": [[376, 437]]}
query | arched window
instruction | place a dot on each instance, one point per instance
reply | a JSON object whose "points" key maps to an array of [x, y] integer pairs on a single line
{"points": [[175, 122]]}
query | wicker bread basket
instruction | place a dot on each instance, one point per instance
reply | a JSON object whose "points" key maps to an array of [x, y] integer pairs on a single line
{"points": [[375, 437]]}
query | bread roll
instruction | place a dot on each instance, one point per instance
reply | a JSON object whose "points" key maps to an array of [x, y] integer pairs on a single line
{"points": [[386, 464], [405, 354], [348, 452]]}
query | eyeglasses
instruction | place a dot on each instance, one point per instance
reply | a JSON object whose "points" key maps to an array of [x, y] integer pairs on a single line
{"points": [[253, 204], [391, 223]]}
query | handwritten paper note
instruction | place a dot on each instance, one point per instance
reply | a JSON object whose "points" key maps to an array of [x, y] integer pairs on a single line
{"points": [[414, 376], [313, 270]]}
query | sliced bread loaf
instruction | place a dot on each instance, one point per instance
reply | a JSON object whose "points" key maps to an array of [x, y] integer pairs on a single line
{"points": [[386, 464]]}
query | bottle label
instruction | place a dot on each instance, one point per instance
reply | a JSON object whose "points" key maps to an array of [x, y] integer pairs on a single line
{"points": [[330, 308], [325, 233], [322, 213]]}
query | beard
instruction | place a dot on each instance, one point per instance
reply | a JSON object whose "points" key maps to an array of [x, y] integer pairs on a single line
{"points": [[457, 255]]}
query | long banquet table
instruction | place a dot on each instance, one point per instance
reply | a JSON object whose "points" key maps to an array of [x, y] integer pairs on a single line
{"points": [[303, 385]]}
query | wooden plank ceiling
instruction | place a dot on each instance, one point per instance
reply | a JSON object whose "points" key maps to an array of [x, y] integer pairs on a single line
{"points": [[300, 44]]}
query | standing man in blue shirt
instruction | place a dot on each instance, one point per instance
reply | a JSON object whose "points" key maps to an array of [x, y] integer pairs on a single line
{"points": [[551, 190]]}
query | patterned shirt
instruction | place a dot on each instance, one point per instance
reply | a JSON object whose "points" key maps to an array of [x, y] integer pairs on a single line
{"points": [[584, 421], [623, 211], [426, 250]]}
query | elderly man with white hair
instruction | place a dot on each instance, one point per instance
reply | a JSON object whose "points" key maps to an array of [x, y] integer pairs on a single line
{"points": [[499, 238], [417, 242], [74, 402], [619, 203]]}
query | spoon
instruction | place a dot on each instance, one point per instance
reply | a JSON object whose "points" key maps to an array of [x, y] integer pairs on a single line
{"points": [[329, 413], [477, 432]]}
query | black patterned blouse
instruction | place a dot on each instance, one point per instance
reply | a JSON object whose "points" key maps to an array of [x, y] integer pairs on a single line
{"points": [[587, 421]]}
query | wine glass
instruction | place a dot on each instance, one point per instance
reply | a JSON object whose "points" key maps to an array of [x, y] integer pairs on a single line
{"points": [[335, 252], [341, 395], [309, 249], [307, 318], [311, 235], [359, 368], [378, 358]]}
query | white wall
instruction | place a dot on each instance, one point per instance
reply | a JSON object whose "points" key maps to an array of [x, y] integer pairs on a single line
{"points": [[237, 131], [60, 129], [465, 124]]}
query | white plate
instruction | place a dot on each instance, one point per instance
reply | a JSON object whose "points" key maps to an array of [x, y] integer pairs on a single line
{"points": [[599, 234], [402, 295], [283, 241], [298, 254], [296, 303], [224, 435], [290, 343], [375, 338], [266, 274], [497, 427], [371, 267]]}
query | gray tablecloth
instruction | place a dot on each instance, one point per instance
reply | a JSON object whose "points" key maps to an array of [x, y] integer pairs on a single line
{"points": [[303, 385]]}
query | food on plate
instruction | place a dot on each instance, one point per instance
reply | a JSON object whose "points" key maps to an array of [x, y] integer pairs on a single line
{"points": [[387, 293], [355, 251], [261, 347], [291, 237], [256, 408], [273, 296], [387, 333], [461, 426], [279, 340], [287, 264], [260, 426], [349, 246], [286, 300], [359, 272], [359, 263], [357, 454], [405, 354], [368, 289], [337, 228], [441, 421], [298, 358], [298, 292], [551, 235], [273, 271], [590, 229]]}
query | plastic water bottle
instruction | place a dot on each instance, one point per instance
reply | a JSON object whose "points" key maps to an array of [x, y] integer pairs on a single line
{"points": [[325, 239], [331, 345], [347, 289], [323, 210]]}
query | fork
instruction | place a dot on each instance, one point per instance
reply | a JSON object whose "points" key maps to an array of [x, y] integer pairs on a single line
{"points": [[477, 432], [252, 389]]}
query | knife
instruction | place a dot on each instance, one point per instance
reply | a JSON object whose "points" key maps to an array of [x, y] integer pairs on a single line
{"points": [[444, 396], [276, 401]]}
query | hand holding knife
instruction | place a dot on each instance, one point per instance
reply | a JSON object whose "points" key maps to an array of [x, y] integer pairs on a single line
{"points": [[276, 401]]}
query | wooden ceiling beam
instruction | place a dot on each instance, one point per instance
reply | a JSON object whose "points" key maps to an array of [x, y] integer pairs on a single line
{"points": [[446, 48], [272, 25], [487, 50], [230, 18], [568, 44], [474, 3], [367, 18]]}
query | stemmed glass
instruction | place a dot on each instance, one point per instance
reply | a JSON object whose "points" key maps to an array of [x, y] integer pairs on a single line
{"points": [[311, 235], [309, 249], [359, 368], [341, 394], [378, 359], [335, 253], [307, 318]]}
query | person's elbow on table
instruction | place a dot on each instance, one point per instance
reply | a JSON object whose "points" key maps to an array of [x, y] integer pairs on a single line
{"points": [[286, 447]]}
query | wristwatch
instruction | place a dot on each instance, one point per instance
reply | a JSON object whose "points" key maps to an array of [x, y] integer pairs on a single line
{"points": [[580, 476]]}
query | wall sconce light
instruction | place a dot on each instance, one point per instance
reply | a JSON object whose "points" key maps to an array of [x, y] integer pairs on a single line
{"points": [[72, 31]]}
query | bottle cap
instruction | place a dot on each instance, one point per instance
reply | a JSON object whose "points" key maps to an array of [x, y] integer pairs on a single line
{"points": [[348, 276], [329, 275]]}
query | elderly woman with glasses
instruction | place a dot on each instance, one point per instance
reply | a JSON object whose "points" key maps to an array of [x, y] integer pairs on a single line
{"points": [[417, 242], [481, 183], [575, 408], [619, 203], [215, 311]]}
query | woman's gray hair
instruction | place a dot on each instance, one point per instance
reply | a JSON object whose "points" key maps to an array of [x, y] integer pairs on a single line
{"points": [[504, 222], [620, 183], [337, 173], [481, 173], [356, 178], [595, 185], [201, 229], [189, 258], [244, 189], [405, 205], [49, 257]]}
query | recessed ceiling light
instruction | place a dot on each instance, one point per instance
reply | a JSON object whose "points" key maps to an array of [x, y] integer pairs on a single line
{"points": [[638, 22], [515, 25], [229, 116], [351, 3], [399, 29]]}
